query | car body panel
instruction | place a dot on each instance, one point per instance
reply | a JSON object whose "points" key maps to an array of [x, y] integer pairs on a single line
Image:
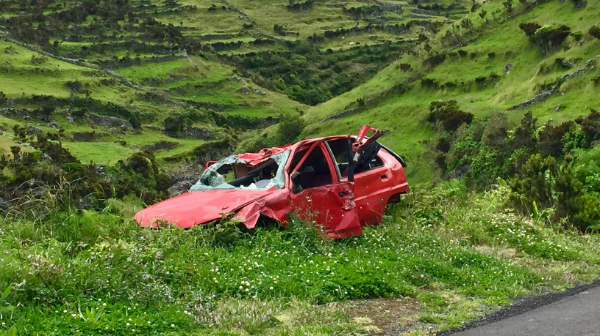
{"points": [[340, 207], [192, 208]]}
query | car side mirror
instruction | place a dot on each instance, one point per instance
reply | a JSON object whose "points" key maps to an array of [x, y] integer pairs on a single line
{"points": [[296, 182]]}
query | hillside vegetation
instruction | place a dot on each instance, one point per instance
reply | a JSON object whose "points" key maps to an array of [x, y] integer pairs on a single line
{"points": [[108, 106], [487, 65]]}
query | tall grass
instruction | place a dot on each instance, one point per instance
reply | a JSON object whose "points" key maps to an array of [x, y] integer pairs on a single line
{"points": [[220, 278]]}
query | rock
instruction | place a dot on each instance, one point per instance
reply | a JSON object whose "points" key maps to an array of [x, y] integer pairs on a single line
{"points": [[460, 171], [45, 156], [154, 127], [557, 108], [200, 133], [243, 90], [100, 171], [54, 125], [110, 121], [508, 67]]}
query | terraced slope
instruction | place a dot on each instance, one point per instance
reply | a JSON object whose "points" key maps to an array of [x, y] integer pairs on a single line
{"points": [[491, 66], [195, 67]]}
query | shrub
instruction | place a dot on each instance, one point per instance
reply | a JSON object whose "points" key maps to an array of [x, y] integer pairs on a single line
{"points": [[590, 125], [529, 28], [551, 138], [495, 133], [525, 133], [405, 67], [448, 114], [443, 145], [435, 60], [594, 31], [549, 38], [534, 184], [289, 129]]}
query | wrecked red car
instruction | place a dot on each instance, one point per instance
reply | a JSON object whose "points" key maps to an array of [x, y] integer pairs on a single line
{"points": [[340, 182]]}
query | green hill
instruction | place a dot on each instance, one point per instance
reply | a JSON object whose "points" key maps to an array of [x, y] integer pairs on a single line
{"points": [[489, 67], [498, 95]]}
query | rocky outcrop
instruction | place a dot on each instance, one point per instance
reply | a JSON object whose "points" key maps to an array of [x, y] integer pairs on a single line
{"points": [[110, 121]]}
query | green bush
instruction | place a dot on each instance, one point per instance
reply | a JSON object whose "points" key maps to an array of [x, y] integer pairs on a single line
{"points": [[594, 31], [448, 114]]}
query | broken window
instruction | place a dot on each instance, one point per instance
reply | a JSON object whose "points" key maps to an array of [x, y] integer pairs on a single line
{"points": [[340, 148], [342, 154], [315, 170], [235, 173], [374, 163]]}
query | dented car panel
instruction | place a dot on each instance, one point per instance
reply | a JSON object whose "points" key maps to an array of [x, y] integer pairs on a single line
{"points": [[339, 183]]}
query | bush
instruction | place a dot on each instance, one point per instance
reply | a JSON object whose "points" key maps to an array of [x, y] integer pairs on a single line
{"points": [[594, 31], [448, 114], [551, 138], [553, 185], [495, 133], [529, 28], [289, 129], [590, 125], [549, 38], [435, 60]]}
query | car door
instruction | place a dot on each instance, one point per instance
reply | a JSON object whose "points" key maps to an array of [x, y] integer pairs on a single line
{"points": [[321, 197], [371, 178], [372, 183]]}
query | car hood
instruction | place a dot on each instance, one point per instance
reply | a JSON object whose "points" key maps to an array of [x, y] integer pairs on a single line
{"points": [[193, 208]]}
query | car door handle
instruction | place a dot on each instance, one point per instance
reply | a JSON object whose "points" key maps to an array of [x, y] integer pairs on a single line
{"points": [[384, 176]]}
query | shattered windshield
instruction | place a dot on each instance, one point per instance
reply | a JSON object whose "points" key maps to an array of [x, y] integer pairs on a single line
{"points": [[235, 173]]}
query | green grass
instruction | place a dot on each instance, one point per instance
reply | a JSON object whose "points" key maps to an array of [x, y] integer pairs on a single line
{"points": [[449, 250]]}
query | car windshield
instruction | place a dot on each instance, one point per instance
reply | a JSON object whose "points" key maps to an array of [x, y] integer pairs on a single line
{"points": [[233, 172]]}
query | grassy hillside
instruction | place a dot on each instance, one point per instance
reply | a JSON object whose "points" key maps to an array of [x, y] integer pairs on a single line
{"points": [[475, 79], [251, 64], [92, 274]]}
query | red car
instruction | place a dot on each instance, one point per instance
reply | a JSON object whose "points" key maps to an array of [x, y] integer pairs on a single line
{"points": [[340, 182]]}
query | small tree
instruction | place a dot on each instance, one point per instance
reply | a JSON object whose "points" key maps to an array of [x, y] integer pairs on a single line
{"points": [[594, 32], [508, 4], [482, 14], [448, 114], [427, 48], [579, 3], [529, 28], [15, 150]]}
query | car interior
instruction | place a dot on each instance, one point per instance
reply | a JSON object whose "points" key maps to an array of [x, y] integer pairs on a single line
{"points": [[260, 176], [315, 170], [342, 154]]}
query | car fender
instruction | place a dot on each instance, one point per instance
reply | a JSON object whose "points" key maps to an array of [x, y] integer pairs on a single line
{"points": [[275, 206]]}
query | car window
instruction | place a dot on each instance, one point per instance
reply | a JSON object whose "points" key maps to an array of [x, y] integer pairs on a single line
{"points": [[342, 155], [340, 148], [374, 163], [233, 172], [315, 170]]}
